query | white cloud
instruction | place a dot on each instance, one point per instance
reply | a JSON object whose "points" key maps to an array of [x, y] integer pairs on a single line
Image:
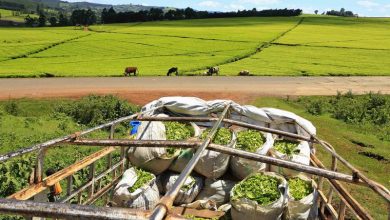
{"points": [[368, 4], [260, 2], [234, 7], [210, 4]]}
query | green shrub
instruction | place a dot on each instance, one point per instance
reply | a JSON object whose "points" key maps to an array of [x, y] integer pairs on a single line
{"points": [[94, 110], [12, 108], [370, 112]]}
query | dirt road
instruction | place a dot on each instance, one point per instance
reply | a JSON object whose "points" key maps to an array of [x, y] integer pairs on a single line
{"points": [[142, 90]]}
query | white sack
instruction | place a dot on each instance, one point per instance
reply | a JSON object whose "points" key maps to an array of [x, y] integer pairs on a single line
{"points": [[217, 191], [213, 164], [145, 198], [242, 167], [306, 208], [303, 158], [185, 196], [245, 209], [151, 159]]}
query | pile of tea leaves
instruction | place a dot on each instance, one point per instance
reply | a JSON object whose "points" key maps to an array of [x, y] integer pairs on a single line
{"points": [[143, 177], [258, 187], [249, 140], [222, 137], [287, 147], [176, 131], [299, 188]]}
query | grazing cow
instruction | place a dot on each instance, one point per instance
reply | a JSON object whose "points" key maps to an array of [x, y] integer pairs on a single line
{"points": [[244, 73], [130, 70], [173, 70], [213, 70]]}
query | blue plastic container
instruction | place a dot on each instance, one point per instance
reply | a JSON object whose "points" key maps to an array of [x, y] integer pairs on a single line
{"points": [[134, 127]]}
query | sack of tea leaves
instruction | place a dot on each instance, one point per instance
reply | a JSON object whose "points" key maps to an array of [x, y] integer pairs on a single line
{"points": [[181, 131], [214, 164], [302, 195], [217, 191], [137, 189], [187, 192], [259, 196], [254, 142], [294, 151], [157, 160]]}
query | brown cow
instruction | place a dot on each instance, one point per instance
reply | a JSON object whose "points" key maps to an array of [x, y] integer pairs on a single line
{"points": [[130, 70]]}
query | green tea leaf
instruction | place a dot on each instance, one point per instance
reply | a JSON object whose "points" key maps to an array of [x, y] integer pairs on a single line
{"points": [[299, 188], [258, 187], [143, 178], [249, 140], [223, 136], [287, 147]]}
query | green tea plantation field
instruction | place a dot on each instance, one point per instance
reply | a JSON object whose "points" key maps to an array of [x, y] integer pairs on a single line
{"points": [[294, 46]]}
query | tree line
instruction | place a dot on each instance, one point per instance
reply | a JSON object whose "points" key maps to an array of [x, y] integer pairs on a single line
{"points": [[155, 14], [78, 17], [342, 13], [88, 17]]}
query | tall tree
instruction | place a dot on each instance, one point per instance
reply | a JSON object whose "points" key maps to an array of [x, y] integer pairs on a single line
{"points": [[42, 20], [189, 13], [63, 20], [53, 21]]}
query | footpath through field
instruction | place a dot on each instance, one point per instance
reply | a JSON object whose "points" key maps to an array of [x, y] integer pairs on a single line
{"points": [[144, 89]]}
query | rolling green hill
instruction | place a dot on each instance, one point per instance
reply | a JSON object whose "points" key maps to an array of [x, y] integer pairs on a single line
{"points": [[295, 46], [9, 15], [59, 5]]}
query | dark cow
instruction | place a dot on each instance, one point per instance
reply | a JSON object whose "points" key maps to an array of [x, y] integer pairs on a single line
{"points": [[130, 70], [173, 70], [213, 70], [244, 73]]}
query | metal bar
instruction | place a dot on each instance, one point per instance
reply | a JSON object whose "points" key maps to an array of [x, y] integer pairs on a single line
{"points": [[30, 149], [67, 211], [351, 202], [231, 151], [230, 121], [91, 190], [379, 189], [38, 175], [69, 185], [102, 192], [166, 202], [82, 188], [34, 189]]}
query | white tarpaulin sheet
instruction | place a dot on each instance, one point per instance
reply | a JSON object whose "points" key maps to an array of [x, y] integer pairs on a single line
{"points": [[274, 118]]}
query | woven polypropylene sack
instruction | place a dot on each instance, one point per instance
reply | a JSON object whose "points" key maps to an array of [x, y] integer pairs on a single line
{"points": [[246, 209], [145, 198]]}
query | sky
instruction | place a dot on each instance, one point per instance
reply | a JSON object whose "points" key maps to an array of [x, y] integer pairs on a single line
{"points": [[375, 8]]}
